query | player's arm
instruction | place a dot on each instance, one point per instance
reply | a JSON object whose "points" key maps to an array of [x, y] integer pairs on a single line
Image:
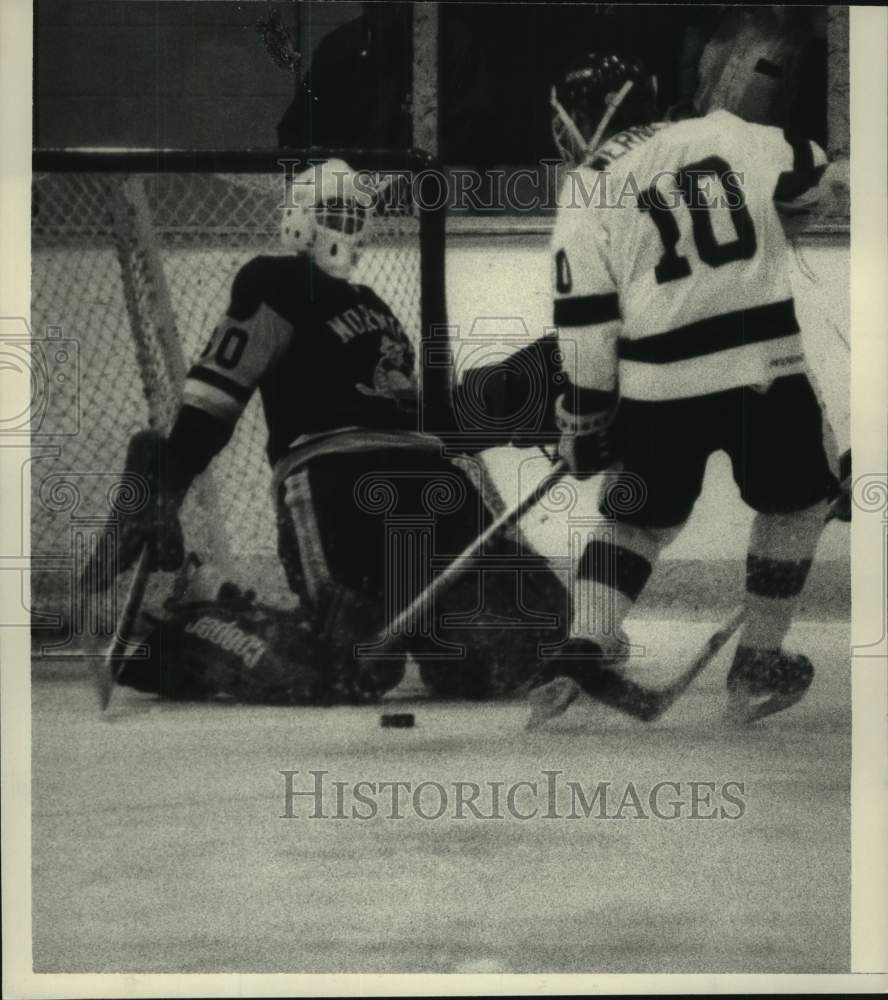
{"points": [[245, 344], [588, 320], [807, 183]]}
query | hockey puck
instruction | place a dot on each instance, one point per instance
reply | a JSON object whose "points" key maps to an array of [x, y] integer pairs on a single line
{"points": [[397, 720]]}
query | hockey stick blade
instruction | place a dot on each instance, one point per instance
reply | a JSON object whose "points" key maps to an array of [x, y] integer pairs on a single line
{"points": [[626, 696], [107, 670]]}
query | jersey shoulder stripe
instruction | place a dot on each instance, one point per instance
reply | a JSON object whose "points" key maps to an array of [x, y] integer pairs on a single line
{"points": [[587, 310], [714, 334]]}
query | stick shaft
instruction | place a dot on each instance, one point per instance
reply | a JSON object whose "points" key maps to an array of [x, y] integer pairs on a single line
{"points": [[704, 657], [109, 668], [619, 692], [505, 520]]}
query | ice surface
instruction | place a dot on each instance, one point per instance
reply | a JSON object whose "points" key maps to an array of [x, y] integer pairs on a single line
{"points": [[159, 843]]}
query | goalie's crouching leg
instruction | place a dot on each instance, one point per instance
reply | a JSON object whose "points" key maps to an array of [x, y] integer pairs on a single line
{"points": [[229, 648], [363, 534], [328, 550]]}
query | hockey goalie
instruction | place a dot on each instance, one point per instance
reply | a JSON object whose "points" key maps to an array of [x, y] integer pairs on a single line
{"points": [[369, 508]]}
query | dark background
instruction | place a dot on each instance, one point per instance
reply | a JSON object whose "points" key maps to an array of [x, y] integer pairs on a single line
{"points": [[195, 74]]}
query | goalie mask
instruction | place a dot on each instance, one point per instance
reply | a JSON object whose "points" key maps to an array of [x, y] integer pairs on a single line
{"points": [[602, 95], [325, 215]]}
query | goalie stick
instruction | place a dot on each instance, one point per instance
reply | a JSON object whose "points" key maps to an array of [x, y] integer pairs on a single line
{"points": [[388, 638], [107, 670]]}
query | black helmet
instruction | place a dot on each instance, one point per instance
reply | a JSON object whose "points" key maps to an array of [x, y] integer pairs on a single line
{"points": [[602, 94]]}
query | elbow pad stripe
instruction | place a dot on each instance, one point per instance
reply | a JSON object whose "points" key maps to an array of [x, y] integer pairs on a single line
{"points": [[587, 310], [802, 153], [804, 174], [791, 185], [213, 378], [212, 401]]}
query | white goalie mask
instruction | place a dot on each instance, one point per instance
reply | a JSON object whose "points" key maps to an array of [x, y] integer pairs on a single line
{"points": [[325, 215]]}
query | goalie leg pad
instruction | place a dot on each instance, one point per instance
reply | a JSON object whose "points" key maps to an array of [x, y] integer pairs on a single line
{"points": [[231, 648], [349, 618], [369, 518], [499, 620]]}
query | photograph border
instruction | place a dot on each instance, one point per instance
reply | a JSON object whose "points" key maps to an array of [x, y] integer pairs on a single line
{"points": [[869, 533]]}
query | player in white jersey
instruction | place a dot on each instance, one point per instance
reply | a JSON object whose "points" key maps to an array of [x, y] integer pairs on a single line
{"points": [[671, 283]]}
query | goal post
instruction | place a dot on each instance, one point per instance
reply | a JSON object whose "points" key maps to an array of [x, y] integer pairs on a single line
{"points": [[133, 254]]}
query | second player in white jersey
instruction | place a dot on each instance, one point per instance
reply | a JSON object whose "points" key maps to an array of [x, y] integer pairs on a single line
{"points": [[671, 274], [673, 304]]}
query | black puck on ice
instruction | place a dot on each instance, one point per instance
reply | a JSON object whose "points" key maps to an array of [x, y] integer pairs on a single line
{"points": [[397, 720]]}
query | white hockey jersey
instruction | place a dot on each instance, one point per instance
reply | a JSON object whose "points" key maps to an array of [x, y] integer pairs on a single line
{"points": [[670, 269]]}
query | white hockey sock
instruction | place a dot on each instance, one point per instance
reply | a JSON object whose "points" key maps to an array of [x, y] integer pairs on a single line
{"points": [[781, 548], [611, 575]]}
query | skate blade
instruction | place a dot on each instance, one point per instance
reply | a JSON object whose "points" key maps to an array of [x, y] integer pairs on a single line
{"points": [[550, 701], [743, 711]]}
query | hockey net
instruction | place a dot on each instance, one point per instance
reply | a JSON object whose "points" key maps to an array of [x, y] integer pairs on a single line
{"points": [[132, 261]]}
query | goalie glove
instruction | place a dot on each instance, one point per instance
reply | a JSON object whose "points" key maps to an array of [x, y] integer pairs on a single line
{"points": [[152, 521], [510, 401], [586, 444]]}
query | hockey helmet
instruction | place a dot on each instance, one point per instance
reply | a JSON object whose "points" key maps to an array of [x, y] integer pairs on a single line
{"points": [[600, 95], [325, 214]]}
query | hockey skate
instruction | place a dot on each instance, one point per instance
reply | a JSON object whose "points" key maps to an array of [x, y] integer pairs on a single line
{"points": [[764, 681], [555, 689]]}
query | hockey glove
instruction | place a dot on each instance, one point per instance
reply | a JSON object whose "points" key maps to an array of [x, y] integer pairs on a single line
{"points": [[586, 444], [151, 518], [511, 401], [159, 528]]}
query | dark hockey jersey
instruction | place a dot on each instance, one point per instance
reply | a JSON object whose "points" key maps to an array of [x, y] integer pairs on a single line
{"points": [[324, 354]]}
